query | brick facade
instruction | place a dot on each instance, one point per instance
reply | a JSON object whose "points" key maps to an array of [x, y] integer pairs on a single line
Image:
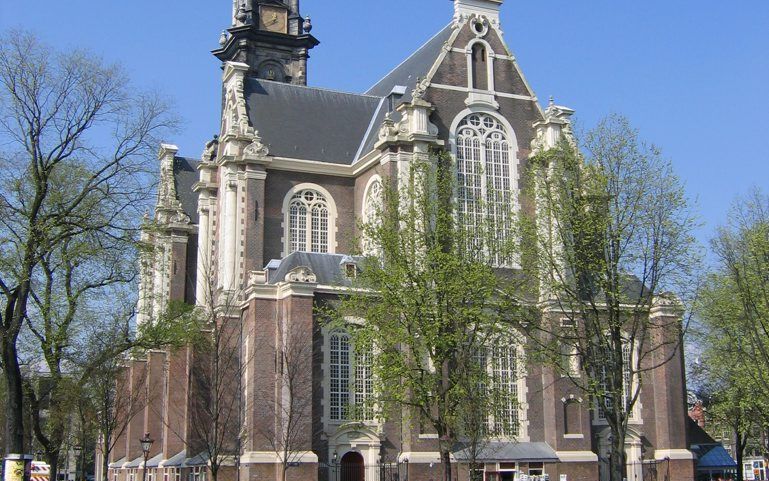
{"points": [[234, 246]]}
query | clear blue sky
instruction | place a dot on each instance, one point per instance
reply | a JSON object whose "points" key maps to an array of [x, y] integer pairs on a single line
{"points": [[693, 76]]}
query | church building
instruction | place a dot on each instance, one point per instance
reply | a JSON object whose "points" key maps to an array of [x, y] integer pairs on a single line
{"points": [[261, 229]]}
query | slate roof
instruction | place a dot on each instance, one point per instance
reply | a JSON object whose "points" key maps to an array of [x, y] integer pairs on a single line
{"points": [[186, 175], [404, 75], [415, 66], [332, 123], [155, 462], [336, 127], [135, 463], [508, 452], [697, 435], [326, 267], [175, 460]]}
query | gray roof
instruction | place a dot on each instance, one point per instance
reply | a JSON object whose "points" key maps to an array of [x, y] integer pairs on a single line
{"points": [[309, 123], [155, 462], [199, 460], [186, 175], [336, 127], [508, 452], [416, 66], [326, 267], [117, 464], [175, 460], [135, 463]]}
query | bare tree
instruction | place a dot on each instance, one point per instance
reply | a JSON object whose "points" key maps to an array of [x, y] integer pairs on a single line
{"points": [[613, 238], [215, 376], [78, 143], [114, 408]]}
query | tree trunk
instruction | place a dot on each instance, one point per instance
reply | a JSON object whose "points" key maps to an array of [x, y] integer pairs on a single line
{"points": [[105, 462], [446, 461], [617, 468], [14, 423], [739, 451], [52, 457]]}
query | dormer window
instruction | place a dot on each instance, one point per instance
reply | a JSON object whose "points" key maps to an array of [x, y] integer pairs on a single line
{"points": [[349, 267], [350, 270]]}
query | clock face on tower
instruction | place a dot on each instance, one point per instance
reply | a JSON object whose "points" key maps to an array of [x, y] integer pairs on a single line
{"points": [[273, 19]]}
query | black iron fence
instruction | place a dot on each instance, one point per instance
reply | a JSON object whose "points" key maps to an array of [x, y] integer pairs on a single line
{"points": [[361, 472]]}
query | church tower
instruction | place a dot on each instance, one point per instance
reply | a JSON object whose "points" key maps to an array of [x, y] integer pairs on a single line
{"points": [[271, 37]]}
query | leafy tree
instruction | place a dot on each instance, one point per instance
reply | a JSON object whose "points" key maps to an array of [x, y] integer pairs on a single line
{"points": [[732, 308], [434, 307], [74, 177], [613, 235]]}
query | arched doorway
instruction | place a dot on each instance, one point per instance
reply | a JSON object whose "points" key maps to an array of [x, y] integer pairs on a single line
{"points": [[352, 467]]}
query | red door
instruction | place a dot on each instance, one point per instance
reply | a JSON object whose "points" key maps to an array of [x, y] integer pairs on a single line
{"points": [[352, 467]]}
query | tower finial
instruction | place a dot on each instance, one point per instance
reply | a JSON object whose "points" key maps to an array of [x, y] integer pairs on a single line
{"points": [[487, 8]]}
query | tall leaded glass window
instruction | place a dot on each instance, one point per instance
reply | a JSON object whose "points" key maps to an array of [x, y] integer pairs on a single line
{"points": [[350, 379], [605, 400], [339, 367], [372, 210], [308, 222], [504, 376], [485, 177]]}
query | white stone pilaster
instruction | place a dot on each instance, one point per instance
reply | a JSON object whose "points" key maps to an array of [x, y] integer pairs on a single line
{"points": [[203, 271], [227, 252]]}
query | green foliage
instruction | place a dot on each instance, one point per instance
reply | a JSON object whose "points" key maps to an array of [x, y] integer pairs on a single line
{"points": [[733, 309], [612, 238], [180, 325], [432, 305]]}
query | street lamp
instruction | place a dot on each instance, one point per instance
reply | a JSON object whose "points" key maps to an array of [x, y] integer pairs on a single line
{"points": [[146, 443], [77, 449]]}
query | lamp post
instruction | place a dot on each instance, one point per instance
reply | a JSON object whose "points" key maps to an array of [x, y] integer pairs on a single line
{"points": [[146, 443], [77, 449]]}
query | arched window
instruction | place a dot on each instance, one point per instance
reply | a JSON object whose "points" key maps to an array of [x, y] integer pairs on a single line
{"points": [[628, 382], [505, 373], [479, 59], [339, 375], [485, 176], [372, 210], [308, 220], [502, 361], [351, 384]]}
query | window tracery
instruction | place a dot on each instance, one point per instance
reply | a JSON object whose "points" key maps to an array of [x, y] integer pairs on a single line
{"points": [[308, 222], [485, 176], [372, 210], [351, 382]]}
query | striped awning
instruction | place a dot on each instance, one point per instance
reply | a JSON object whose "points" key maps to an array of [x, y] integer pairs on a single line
{"points": [[40, 471]]}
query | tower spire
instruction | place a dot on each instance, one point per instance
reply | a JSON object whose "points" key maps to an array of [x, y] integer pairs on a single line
{"points": [[271, 37]]}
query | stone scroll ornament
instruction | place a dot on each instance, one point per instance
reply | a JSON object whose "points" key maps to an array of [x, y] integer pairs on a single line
{"points": [[302, 274]]}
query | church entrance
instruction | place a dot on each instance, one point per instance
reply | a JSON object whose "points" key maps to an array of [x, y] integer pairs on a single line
{"points": [[352, 467]]}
